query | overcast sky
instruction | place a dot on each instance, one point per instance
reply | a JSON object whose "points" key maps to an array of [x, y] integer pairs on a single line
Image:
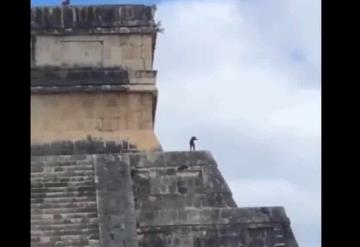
{"points": [[244, 77]]}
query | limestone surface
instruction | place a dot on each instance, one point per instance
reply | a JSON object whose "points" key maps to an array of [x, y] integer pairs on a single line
{"points": [[99, 177], [145, 199]]}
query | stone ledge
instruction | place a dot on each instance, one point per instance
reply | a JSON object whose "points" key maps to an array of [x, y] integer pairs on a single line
{"points": [[211, 216], [55, 76], [96, 88], [171, 159], [178, 201], [88, 146], [91, 17], [96, 31]]}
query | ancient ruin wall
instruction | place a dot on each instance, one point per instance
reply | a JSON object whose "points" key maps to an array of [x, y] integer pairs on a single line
{"points": [[93, 102], [92, 74], [145, 199]]}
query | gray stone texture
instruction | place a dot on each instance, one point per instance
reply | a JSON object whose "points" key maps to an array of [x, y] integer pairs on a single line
{"points": [[145, 199], [86, 146], [179, 179], [117, 218], [183, 200], [63, 201], [106, 194], [87, 19], [65, 77]]}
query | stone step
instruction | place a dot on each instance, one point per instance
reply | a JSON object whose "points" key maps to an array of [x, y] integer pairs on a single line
{"points": [[57, 169], [58, 159], [53, 163], [63, 205], [64, 216], [93, 220], [64, 163], [62, 179], [61, 171], [57, 233], [63, 232], [62, 174], [80, 226], [64, 199], [66, 238], [59, 177], [64, 221], [78, 188], [53, 244], [87, 209], [63, 194], [76, 243], [53, 184], [60, 184]]}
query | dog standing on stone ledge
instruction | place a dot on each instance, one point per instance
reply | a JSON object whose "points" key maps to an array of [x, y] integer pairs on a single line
{"points": [[192, 143]]}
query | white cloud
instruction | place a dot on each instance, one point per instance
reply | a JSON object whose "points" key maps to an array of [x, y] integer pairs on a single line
{"points": [[244, 76]]}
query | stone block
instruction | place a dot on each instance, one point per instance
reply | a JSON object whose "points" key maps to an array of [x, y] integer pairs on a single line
{"points": [[116, 202], [135, 40], [134, 63], [131, 52]]}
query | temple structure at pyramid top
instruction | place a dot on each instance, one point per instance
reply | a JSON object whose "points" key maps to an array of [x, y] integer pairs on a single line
{"points": [[99, 176], [92, 75]]}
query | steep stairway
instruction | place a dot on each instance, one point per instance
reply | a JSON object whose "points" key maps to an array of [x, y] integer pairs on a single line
{"points": [[63, 202]]}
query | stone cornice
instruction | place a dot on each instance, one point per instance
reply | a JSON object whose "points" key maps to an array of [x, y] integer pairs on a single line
{"points": [[57, 76], [109, 18], [89, 78]]}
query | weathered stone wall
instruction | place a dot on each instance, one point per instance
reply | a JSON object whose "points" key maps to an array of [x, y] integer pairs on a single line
{"points": [[145, 199], [117, 219], [183, 200], [178, 180], [132, 51], [92, 74], [112, 116], [77, 18], [88, 146], [216, 227], [63, 201], [93, 108], [82, 200]]}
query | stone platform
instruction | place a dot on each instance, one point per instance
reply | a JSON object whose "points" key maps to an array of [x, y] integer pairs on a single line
{"points": [[145, 199]]}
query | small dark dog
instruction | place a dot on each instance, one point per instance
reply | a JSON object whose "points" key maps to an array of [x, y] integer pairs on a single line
{"points": [[192, 143]]}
